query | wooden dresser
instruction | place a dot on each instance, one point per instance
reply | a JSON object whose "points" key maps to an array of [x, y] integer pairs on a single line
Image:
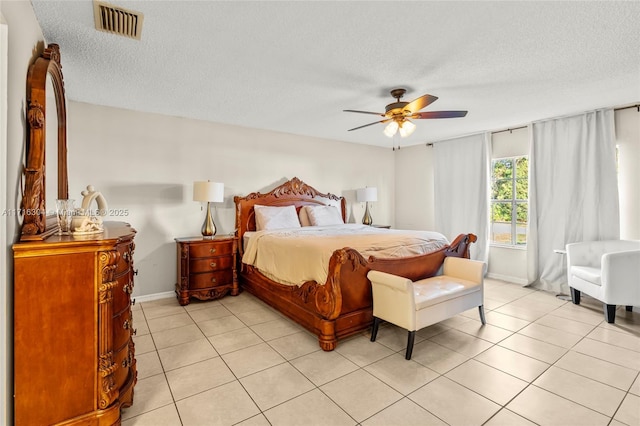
{"points": [[74, 359], [206, 268]]}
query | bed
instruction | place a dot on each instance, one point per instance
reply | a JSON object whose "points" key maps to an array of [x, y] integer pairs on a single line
{"points": [[341, 305]]}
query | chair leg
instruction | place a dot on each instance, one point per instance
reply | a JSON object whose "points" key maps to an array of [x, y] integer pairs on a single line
{"points": [[374, 329], [575, 296], [481, 310], [410, 340], [629, 308], [610, 313]]}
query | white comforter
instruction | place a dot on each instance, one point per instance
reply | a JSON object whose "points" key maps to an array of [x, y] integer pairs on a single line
{"points": [[294, 256]]}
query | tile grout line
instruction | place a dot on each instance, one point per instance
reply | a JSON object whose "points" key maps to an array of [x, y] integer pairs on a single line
{"points": [[395, 352]]}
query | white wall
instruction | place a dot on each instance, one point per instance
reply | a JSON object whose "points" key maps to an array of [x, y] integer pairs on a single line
{"points": [[414, 189], [146, 164], [24, 40]]}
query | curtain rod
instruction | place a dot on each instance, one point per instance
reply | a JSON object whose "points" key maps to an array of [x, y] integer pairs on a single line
{"points": [[511, 129], [636, 106]]}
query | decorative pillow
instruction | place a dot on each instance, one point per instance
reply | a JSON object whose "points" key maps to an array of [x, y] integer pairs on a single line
{"points": [[269, 217], [324, 215], [304, 216]]}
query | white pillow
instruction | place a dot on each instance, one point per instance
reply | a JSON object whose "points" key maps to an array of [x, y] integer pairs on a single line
{"points": [[269, 217], [324, 215], [304, 217]]}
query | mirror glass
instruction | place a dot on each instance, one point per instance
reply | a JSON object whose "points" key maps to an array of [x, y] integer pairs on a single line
{"points": [[51, 148]]}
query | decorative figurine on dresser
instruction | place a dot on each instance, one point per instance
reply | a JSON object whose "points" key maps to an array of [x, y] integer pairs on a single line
{"points": [[74, 357]]}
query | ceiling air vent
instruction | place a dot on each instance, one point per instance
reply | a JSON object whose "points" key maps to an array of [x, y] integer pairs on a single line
{"points": [[117, 20]]}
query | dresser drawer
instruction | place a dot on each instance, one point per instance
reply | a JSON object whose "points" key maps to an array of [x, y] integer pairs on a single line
{"points": [[218, 248], [125, 259], [210, 264], [210, 279], [123, 360], [122, 293], [122, 326]]}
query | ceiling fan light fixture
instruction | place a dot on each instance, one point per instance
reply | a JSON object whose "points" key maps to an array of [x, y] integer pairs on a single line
{"points": [[397, 114], [406, 128], [391, 129]]}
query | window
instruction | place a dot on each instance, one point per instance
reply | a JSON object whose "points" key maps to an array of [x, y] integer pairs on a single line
{"points": [[509, 200]]}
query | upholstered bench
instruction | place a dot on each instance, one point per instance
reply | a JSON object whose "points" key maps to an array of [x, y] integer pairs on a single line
{"points": [[415, 305]]}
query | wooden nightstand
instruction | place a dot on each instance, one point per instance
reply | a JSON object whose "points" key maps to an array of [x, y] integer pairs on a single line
{"points": [[206, 268]]}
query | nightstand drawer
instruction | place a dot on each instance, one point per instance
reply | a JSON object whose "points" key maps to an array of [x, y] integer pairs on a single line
{"points": [[210, 264], [217, 248], [210, 279]]}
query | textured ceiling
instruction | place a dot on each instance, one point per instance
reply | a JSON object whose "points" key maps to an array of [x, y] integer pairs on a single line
{"points": [[293, 66]]}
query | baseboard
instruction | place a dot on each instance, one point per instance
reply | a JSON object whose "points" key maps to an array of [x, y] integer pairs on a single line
{"points": [[507, 278], [155, 296]]}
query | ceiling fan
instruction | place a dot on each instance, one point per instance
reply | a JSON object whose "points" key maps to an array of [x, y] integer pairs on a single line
{"points": [[398, 113]]}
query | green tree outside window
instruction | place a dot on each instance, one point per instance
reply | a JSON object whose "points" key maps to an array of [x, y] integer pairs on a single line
{"points": [[510, 200]]}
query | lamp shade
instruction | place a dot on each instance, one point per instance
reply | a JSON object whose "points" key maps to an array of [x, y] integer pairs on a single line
{"points": [[391, 129], [208, 191], [367, 194], [407, 128]]}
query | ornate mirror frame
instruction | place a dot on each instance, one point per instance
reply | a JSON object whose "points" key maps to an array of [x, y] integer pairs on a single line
{"points": [[37, 224]]}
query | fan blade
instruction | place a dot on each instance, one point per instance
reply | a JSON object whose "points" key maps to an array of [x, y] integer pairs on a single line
{"points": [[371, 124], [417, 104], [439, 114], [364, 112]]}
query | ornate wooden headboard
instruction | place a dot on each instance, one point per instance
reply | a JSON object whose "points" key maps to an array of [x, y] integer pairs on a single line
{"points": [[293, 192]]}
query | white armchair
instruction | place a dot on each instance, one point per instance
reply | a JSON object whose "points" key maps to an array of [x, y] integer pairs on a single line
{"points": [[608, 271]]}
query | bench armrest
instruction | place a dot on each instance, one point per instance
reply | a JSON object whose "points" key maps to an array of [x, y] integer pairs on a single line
{"points": [[392, 281], [466, 269], [394, 300]]}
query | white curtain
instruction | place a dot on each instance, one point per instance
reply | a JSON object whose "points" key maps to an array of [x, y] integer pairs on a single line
{"points": [[573, 191], [461, 193]]}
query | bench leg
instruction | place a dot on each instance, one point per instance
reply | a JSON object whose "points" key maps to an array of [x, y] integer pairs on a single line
{"points": [[481, 310], [374, 329], [629, 308], [410, 340], [610, 313], [575, 296]]}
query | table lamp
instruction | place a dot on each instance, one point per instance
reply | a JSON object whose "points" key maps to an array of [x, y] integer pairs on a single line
{"points": [[209, 192], [366, 195]]}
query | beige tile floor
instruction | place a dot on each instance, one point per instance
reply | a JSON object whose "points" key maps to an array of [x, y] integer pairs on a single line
{"points": [[539, 360]]}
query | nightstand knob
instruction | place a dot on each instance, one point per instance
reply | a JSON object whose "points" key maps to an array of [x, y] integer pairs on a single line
{"points": [[213, 264], [135, 331], [126, 325], [135, 272], [213, 280], [212, 250], [133, 302]]}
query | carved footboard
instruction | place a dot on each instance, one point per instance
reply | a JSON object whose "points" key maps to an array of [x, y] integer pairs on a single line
{"points": [[343, 305]]}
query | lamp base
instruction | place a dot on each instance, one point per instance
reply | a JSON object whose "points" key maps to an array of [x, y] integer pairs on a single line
{"points": [[208, 227], [366, 219]]}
